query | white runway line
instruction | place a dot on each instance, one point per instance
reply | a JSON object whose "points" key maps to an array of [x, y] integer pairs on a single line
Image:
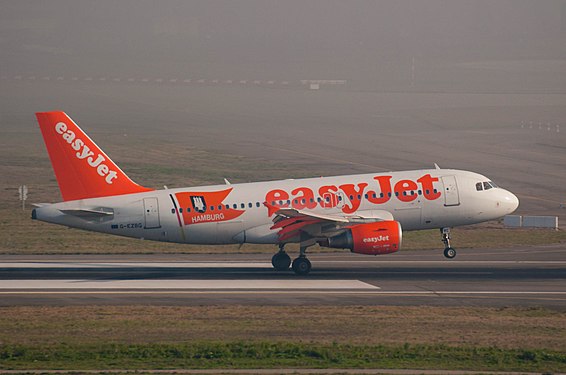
{"points": [[251, 285], [135, 265], [266, 265], [445, 262]]}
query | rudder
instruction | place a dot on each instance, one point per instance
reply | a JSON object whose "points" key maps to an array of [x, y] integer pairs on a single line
{"points": [[82, 169]]}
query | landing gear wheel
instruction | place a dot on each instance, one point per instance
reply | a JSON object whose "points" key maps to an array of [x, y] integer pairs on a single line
{"points": [[281, 261], [301, 266], [449, 252]]}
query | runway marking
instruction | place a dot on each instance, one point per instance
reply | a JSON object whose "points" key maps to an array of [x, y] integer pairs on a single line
{"points": [[263, 265], [559, 296], [252, 285], [41, 264]]}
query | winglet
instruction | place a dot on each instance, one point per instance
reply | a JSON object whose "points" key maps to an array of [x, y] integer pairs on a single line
{"points": [[82, 169]]}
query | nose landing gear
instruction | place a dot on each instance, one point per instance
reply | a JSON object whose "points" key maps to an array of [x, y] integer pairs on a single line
{"points": [[449, 251]]}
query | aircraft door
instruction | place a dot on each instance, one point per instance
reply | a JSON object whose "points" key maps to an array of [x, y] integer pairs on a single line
{"points": [[451, 195], [151, 213], [332, 200]]}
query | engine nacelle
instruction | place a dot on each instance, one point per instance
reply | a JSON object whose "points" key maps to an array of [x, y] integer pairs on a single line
{"points": [[382, 237]]}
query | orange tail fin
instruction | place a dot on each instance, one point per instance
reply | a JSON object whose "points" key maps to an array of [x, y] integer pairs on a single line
{"points": [[82, 169]]}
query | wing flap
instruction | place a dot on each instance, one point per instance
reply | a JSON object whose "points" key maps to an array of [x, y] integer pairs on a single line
{"points": [[295, 225]]}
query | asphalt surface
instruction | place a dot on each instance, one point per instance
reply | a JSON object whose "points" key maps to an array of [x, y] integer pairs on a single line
{"points": [[530, 276]]}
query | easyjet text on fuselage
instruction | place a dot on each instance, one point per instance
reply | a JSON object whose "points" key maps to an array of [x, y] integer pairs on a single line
{"points": [[305, 198]]}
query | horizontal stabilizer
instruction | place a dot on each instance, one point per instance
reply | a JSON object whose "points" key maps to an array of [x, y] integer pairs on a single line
{"points": [[92, 214]]}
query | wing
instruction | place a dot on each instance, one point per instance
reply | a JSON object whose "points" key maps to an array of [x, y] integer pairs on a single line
{"points": [[299, 226]]}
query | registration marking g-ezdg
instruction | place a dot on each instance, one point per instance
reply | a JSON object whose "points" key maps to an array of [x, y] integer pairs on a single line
{"points": [[127, 226]]}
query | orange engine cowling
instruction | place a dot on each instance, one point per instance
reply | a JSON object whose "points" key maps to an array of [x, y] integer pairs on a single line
{"points": [[382, 237]]}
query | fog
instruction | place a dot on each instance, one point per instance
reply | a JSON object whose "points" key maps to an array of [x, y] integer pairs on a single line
{"points": [[368, 43], [471, 84]]}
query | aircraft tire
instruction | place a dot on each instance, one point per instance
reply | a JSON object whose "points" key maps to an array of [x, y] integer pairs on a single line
{"points": [[449, 252], [281, 261], [301, 266]]}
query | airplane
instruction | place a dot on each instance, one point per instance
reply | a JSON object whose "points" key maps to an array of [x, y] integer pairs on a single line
{"points": [[365, 213]]}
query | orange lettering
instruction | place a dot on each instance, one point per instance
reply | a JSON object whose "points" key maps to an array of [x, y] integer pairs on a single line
{"points": [[305, 200], [426, 182], [385, 187], [329, 196], [405, 190], [277, 198], [352, 193]]}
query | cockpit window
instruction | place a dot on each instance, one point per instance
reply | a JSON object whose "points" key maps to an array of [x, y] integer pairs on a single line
{"points": [[485, 185]]}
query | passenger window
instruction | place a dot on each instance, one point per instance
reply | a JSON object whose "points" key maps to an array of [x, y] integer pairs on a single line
{"points": [[257, 204], [235, 205], [219, 207], [479, 186], [189, 209], [172, 210], [243, 205], [181, 210], [211, 208]]}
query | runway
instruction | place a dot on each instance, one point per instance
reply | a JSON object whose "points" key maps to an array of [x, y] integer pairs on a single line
{"points": [[530, 276]]}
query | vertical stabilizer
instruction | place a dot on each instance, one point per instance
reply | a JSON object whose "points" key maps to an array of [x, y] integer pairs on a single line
{"points": [[82, 169]]}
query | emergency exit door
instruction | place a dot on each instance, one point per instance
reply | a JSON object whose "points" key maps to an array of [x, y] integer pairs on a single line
{"points": [[451, 196], [151, 213]]}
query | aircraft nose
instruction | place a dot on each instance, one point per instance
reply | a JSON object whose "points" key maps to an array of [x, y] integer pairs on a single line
{"points": [[510, 202]]}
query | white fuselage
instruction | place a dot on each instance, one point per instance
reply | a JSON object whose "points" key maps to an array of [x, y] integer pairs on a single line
{"points": [[223, 214]]}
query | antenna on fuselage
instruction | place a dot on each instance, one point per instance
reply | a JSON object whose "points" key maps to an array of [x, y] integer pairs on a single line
{"points": [[436, 166]]}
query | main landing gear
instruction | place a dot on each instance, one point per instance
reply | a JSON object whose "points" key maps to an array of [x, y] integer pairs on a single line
{"points": [[449, 251], [281, 260], [301, 265]]}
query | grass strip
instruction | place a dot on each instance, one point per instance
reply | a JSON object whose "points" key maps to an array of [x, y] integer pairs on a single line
{"points": [[238, 354]]}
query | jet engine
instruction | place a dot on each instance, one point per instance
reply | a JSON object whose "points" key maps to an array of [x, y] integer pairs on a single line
{"points": [[381, 237]]}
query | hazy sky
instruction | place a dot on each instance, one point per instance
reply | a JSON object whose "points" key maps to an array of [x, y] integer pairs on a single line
{"points": [[338, 33]]}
